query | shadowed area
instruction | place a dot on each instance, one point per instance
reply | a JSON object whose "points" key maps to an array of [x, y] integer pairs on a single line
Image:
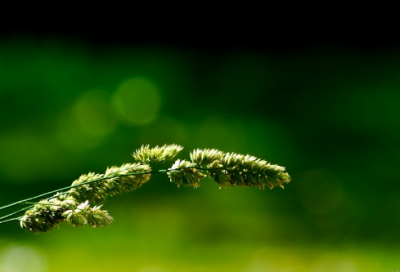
{"points": [[330, 116]]}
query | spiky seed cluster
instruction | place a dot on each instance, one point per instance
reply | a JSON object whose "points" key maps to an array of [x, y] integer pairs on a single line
{"points": [[116, 180], [48, 214], [205, 156], [84, 214], [228, 168], [246, 170], [185, 173], [145, 154], [45, 215], [74, 207]]}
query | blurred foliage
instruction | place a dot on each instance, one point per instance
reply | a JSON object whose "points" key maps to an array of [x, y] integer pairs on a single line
{"points": [[329, 116]]}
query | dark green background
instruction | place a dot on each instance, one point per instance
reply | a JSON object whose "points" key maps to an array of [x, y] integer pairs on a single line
{"points": [[330, 115]]}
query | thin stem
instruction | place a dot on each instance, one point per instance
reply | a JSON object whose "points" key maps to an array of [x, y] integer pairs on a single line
{"points": [[83, 183], [12, 219], [44, 204], [27, 201], [64, 188], [21, 210]]}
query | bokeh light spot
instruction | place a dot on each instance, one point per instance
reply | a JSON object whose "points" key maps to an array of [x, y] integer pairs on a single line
{"points": [[334, 262], [152, 269], [86, 124], [17, 258], [94, 115], [137, 101]]}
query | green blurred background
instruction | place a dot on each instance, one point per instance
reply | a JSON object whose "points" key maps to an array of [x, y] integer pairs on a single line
{"points": [[330, 115]]}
